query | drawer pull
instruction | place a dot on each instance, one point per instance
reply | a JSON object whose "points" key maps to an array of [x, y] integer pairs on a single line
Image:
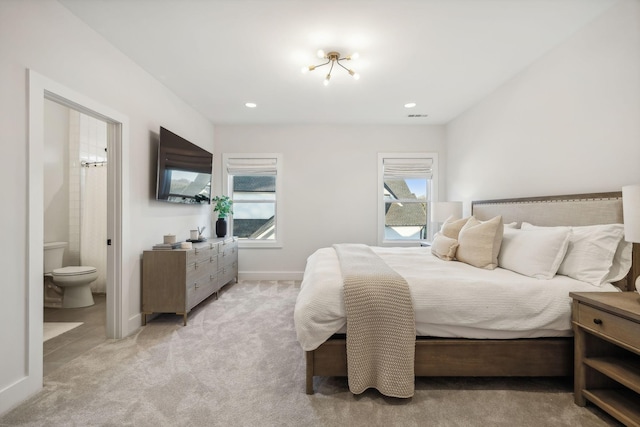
{"points": [[597, 321]]}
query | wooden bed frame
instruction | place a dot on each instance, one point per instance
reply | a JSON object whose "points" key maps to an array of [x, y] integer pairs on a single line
{"points": [[451, 357]]}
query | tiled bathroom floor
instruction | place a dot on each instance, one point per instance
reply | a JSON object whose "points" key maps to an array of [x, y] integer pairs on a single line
{"points": [[62, 349]]}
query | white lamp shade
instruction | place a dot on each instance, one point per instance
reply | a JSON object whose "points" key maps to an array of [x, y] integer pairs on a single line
{"points": [[440, 211], [631, 212]]}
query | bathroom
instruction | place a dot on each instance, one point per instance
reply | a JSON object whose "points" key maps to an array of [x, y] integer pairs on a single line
{"points": [[75, 216]]}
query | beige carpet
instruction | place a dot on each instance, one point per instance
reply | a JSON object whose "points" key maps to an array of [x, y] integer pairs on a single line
{"points": [[238, 363], [53, 329]]}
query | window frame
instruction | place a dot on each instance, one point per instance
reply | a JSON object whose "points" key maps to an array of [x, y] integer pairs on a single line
{"points": [[432, 196], [228, 191]]}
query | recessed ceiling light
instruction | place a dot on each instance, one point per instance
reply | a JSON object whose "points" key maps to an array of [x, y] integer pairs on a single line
{"points": [[250, 105], [410, 105]]}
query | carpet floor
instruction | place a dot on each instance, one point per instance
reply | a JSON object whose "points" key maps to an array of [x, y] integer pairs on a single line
{"points": [[237, 363]]}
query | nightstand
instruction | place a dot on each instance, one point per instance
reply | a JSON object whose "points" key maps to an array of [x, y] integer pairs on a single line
{"points": [[607, 352]]}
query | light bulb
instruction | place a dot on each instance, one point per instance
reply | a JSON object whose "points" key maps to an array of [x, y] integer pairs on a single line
{"points": [[354, 55], [321, 53], [356, 76], [326, 80], [304, 70]]}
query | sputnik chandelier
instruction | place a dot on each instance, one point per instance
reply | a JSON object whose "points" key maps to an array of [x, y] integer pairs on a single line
{"points": [[333, 58]]}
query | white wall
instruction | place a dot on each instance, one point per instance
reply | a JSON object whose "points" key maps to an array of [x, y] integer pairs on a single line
{"points": [[570, 123], [330, 184], [44, 36]]}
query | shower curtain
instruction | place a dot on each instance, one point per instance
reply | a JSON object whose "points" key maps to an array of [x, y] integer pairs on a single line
{"points": [[93, 233]]}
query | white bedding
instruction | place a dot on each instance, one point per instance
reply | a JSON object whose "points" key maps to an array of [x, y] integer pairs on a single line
{"points": [[450, 298]]}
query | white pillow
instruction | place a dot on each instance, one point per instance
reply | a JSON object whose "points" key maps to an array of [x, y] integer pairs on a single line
{"points": [[534, 252], [444, 247], [591, 251], [479, 242], [621, 262]]}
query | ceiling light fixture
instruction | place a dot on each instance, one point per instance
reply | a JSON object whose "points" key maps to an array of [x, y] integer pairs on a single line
{"points": [[250, 105], [333, 58]]}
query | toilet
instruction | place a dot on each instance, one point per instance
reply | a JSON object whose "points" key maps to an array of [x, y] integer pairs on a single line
{"points": [[73, 280]]}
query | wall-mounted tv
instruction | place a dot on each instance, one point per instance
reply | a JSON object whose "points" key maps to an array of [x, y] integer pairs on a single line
{"points": [[184, 170]]}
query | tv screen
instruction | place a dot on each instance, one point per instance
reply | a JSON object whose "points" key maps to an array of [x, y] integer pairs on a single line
{"points": [[184, 170]]}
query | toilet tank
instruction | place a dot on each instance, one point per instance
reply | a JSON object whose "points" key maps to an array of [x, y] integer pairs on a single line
{"points": [[53, 253]]}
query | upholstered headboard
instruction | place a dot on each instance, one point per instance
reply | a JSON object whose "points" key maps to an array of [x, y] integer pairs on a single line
{"points": [[574, 209]]}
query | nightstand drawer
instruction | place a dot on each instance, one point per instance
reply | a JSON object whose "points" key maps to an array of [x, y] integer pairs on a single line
{"points": [[609, 325]]}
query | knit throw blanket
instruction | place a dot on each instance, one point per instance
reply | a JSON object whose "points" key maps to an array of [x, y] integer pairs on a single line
{"points": [[381, 334]]}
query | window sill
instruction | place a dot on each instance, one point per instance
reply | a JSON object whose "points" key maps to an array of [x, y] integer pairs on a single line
{"points": [[246, 244]]}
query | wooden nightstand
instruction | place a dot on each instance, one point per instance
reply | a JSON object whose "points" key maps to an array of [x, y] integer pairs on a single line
{"points": [[607, 352]]}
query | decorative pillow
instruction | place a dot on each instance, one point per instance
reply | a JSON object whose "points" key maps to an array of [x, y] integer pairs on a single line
{"points": [[591, 252], [534, 252], [479, 242], [444, 247], [451, 227], [511, 225]]}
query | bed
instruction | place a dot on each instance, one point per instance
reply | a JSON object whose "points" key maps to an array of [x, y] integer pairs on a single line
{"points": [[449, 341]]}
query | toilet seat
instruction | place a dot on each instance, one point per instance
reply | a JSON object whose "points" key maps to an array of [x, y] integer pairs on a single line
{"points": [[73, 271]]}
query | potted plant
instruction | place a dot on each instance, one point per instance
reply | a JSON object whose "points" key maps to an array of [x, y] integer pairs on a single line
{"points": [[224, 207]]}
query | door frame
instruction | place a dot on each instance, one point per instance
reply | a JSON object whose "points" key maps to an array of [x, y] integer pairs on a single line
{"points": [[41, 88]]}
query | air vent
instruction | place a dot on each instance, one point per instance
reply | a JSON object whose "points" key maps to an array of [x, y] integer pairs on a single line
{"points": [[417, 115]]}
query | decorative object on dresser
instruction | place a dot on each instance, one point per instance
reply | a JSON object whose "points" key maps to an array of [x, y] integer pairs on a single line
{"points": [[175, 281], [631, 212], [196, 236], [224, 207], [607, 353]]}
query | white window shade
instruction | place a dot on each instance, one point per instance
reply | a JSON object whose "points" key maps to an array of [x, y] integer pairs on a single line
{"points": [[253, 166], [407, 168]]}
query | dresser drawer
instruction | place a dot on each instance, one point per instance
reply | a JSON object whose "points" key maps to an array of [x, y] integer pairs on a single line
{"points": [[609, 325], [203, 253], [202, 289]]}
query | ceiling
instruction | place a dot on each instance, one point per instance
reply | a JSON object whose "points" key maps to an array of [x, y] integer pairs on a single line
{"points": [[444, 55]]}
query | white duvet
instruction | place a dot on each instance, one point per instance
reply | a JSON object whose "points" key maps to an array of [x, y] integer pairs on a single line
{"points": [[450, 298]]}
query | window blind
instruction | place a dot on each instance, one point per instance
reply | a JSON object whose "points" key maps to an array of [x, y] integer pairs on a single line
{"points": [[408, 168], [252, 166]]}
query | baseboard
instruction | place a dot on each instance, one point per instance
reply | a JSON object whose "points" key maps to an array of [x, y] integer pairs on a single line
{"points": [[270, 275], [133, 324]]}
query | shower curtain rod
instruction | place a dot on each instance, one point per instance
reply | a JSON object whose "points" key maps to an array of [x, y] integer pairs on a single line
{"points": [[89, 164]]}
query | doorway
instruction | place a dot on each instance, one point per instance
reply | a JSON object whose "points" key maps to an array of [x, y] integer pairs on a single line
{"points": [[118, 321], [75, 210], [42, 88]]}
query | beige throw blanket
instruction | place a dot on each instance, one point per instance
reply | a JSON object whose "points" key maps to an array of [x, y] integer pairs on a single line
{"points": [[381, 333]]}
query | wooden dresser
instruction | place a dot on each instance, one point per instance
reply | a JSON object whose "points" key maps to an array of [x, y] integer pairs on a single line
{"points": [[175, 281], [607, 352]]}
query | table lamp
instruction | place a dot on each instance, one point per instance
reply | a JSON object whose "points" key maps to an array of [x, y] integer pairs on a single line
{"points": [[631, 214], [440, 211]]}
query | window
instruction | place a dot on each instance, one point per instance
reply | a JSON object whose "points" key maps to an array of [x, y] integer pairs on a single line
{"points": [[406, 184], [253, 181]]}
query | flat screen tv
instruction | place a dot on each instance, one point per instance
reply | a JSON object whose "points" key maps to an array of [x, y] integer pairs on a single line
{"points": [[184, 170]]}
